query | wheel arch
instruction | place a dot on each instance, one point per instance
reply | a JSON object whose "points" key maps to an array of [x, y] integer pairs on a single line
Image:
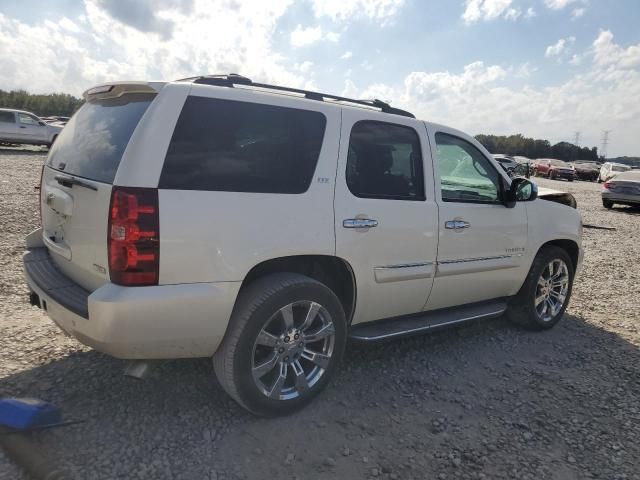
{"points": [[569, 246], [334, 272]]}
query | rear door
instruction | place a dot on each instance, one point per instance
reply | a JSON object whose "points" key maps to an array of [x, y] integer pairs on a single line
{"points": [[77, 182], [8, 126], [481, 241], [386, 217]]}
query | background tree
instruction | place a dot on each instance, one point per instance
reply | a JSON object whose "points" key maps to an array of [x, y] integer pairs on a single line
{"points": [[536, 148], [42, 105]]}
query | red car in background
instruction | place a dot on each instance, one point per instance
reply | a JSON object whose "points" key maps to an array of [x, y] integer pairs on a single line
{"points": [[554, 169]]}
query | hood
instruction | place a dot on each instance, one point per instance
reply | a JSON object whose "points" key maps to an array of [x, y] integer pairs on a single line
{"points": [[565, 198]]}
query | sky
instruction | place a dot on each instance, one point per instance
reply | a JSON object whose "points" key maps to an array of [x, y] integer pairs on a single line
{"points": [[563, 70]]}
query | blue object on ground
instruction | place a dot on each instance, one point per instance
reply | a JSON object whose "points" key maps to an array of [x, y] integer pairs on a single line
{"points": [[26, 413]]}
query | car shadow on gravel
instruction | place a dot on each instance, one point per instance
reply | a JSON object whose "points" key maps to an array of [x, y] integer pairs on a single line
{"points": [[488, 398], [21, 151]]}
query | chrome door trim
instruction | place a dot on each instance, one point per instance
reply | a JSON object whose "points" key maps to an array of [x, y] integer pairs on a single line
{"points": [[404, 271], [477, 264]]}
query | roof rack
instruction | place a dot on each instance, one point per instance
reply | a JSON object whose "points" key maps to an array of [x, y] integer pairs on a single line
{"points": [[233, 79]]}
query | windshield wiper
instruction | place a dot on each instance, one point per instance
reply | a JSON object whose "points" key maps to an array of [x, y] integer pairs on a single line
{"points": [[71, 181]]}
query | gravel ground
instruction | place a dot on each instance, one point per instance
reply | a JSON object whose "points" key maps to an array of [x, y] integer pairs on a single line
{"points": [[483, 401]]}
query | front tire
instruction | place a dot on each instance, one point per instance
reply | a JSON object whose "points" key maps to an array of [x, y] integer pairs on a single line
{"points": [[608, 204], [546, 292], [285, 340]]}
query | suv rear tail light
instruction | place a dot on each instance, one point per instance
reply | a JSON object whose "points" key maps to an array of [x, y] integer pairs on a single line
{"points": [[39, 188], [134, 236], [607, 185]]}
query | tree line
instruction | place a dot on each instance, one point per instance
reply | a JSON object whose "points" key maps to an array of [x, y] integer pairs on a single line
{"points": [[42, 105], [535, 148]]}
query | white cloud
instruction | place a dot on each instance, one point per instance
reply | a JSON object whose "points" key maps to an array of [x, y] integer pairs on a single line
{"points": [[559, 47], [301, 37], [346, 55], [608, 53], [476, 10], [332, 36], [482, 99], [380, 10], [558, 4], [209, 38], [576, 59], [530, 13], [578, 12], [304, 67]]}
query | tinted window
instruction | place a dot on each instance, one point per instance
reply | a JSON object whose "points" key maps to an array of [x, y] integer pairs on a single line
{"points": [[231, 146], [466, 175], [385, 161], [92, 143], [559, 163], [7, 117]]}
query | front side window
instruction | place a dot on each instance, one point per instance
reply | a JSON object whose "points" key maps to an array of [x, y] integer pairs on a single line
{"points": [[466, 175], [7, 117], [231, 146], [27, 119], [385, 161]]}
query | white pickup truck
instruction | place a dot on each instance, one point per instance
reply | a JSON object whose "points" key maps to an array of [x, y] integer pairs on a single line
{"points": [[17, 126], [264, 226]]}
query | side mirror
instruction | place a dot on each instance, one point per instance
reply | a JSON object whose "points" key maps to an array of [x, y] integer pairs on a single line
{"points": [[522, 190]]}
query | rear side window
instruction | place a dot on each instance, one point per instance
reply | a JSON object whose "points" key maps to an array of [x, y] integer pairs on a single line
{"points": [[385, 161], [92, 143], [225, 145], [7, 117]]}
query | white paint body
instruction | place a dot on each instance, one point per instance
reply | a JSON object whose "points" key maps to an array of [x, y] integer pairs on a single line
{"points": [[210, 241]]}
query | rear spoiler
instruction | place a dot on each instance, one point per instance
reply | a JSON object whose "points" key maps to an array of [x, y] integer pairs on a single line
{"points": [[117, 89]]}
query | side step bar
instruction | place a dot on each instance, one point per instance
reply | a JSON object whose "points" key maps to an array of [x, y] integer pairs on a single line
{"points": [[417, 324]]}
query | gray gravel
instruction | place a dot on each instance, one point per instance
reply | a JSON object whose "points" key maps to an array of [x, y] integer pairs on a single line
{"points": [[483, 401]]}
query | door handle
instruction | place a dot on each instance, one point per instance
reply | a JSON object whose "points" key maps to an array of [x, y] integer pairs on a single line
{"points": [[22, 126], [359, 223], [456, 224]]}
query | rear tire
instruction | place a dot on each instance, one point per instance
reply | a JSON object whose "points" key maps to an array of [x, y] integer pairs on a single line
{"points": [[552, 176], [260, 364], [608, 204], [525, 308]]}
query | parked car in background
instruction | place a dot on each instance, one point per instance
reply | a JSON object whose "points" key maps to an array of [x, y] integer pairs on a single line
{"points": [[554, 169], [525, 165], [586, 170], [18, 126], [610, 170], [325, 221], [623, 189], [507, 163]]}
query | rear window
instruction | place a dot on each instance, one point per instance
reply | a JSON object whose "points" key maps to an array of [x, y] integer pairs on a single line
{"points": [[224, 145], [559, 163], [7, 117], [92, 143]]}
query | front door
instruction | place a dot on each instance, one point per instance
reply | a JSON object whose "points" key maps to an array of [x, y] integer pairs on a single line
{"points": [[386, 217], [481, 240], [29, 128]]}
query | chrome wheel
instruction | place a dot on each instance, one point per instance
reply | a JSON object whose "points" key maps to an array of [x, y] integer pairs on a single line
{"points": [[551, 290], [293, 350]]}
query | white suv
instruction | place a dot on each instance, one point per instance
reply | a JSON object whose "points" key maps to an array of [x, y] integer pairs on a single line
{"points": [[265, 226], [17, 126]]}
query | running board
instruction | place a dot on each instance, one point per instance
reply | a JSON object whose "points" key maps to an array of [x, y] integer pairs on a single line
{"points": [[417, 324]]}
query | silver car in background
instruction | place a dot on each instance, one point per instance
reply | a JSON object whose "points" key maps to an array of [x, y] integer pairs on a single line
{"points": [[611, 169], [623, 189]]}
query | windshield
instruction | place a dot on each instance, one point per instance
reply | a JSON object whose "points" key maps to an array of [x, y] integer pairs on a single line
{"points": [[619, 168], [559, 163], [92, 143]]}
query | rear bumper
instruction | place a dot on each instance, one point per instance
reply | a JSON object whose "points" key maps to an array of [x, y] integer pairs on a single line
{"points": [[166, 321], [628, 199]]}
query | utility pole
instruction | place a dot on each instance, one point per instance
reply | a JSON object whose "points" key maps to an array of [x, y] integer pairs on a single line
{"points": [[605, 142], [576, 139]]}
